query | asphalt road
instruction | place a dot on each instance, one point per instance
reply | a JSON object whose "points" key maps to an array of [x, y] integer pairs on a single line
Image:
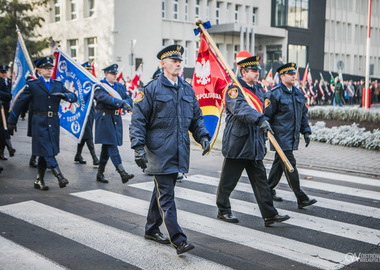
{"points": [[90, 225]]}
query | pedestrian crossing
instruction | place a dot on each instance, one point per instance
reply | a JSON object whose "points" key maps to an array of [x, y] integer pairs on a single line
{"points": [[199, 193]]}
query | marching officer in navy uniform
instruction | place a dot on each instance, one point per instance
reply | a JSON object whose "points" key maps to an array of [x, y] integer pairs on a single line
{"points": [[166, 109], [45, 94], [286, 111], [109, 124], [88, 137], [5, 99], [244, 146]]}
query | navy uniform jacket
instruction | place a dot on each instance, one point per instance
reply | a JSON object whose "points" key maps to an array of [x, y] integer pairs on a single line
{"points": [[5, 93], [162, 118], [45, 129], [242, 138], [286, 112], [108, 125]]}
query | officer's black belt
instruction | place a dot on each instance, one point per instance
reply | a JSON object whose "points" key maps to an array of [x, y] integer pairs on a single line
{"points": [[113, 112], [48, 114]]}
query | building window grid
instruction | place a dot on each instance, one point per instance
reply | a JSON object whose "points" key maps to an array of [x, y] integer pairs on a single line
{"points": [[91, 48], [208, 10], [196, 49], [73, 10], [57, 10], [91, 8], [175, 9]]}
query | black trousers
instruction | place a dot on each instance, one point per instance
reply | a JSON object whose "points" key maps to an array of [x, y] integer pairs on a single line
{"points": [[278, 167], [162, 209], [231, 173]]}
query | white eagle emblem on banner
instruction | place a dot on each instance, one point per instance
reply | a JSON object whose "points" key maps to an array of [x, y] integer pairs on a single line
{"points": [[202, 71]]}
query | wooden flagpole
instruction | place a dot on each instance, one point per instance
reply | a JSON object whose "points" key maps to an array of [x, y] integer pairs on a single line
{"points": [[199, 23]]}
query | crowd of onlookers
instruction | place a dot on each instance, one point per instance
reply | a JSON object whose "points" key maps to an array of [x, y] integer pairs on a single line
{"points": [[324, 93]]}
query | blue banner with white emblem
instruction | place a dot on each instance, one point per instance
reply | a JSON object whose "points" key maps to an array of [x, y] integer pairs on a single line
{"points": [[21, 71], [73, 116]]}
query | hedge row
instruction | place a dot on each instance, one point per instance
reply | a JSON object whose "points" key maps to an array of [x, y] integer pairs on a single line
{"points": [[352, 114], [346, 136]]}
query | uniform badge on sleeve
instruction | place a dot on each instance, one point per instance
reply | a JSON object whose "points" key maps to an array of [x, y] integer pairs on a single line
{"points": [[233, 93], [267, 102], [139, 96]]}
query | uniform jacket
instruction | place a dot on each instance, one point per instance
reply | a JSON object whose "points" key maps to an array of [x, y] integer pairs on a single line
{"points": [[5, 93], [242, 138], [109, 126], [162, 118], [45, 129], [286, 112]]}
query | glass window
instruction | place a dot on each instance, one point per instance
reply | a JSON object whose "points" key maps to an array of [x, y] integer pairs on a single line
{"points": [[90, 8], [186, 52], [294, 13], [175, 9], [280, 13], [57, 10], [91, 48], [217, 13], [236, 50], [73, 10], [186, 10], [297, 54], [237, 17], [254, 15], [72, 46], [197, 9], [196, 49], [163, 6]]}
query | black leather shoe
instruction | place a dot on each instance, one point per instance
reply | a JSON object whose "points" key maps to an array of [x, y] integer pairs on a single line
{"points": [[79, 159], [277, 218], [40, 184], [12, 152], [100, 178], [33, 162], [2, 157], [158, 237], [184, 247], [306, 203], [228, 218], [276, 198]]}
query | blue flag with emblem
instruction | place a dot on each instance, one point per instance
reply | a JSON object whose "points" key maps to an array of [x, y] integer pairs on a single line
{"points": [[73, 116], [21, 70]]}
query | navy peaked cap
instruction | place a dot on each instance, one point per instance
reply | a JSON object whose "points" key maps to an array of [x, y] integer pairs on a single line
{"points": [[173, 51]]}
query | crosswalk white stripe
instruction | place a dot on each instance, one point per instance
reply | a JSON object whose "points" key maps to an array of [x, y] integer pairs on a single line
{"points": [[117, 243], [15, 256], [356, 192], [336, 176], [280, 246], [288, 195], [333, 227]]}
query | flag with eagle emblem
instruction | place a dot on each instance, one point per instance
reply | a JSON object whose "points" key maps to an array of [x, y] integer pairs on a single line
{"points": [[210, 80]]}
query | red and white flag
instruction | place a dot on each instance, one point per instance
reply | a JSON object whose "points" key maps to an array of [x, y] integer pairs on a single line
{"points": [[137, 77]]}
